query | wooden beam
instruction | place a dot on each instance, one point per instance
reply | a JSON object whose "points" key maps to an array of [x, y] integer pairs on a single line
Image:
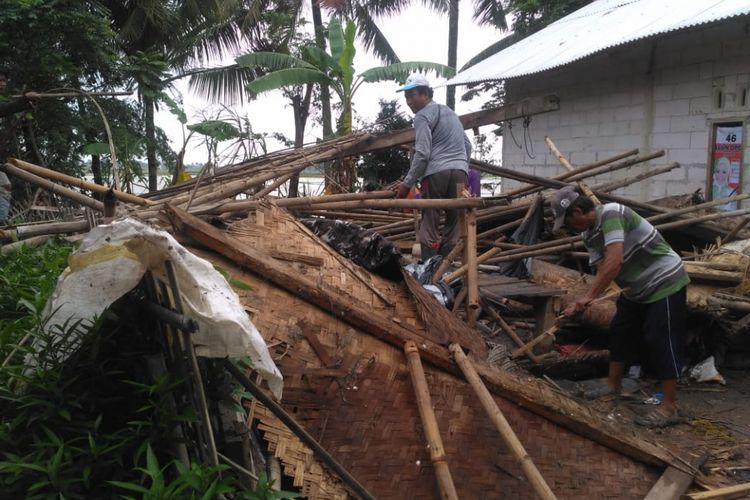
{"points": [[673, 483]]}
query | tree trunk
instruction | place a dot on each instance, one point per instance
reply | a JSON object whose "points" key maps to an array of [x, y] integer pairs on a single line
{"points": [[325, 93], [96, 169], [153, 166], [450, 92], [301, 108]]}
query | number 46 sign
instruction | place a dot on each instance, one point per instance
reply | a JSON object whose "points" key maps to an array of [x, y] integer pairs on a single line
{"points": [[726, 164]]}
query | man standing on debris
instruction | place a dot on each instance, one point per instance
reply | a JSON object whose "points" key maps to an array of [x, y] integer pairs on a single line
{"points": [[440, 162], [651, 309]]}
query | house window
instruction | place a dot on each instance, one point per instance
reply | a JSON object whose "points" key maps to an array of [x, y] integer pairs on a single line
{"points": [[725, 168]]}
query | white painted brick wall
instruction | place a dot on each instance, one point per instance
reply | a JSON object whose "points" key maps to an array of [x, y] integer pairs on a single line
{"points": [[618, 100]]}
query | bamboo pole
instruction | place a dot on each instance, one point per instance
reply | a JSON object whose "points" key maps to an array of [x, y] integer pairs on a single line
{"points": [[429, 422], [565, 163], [447, 260], [509, 331], [725, 492], [54, 95], [585, 171], [298, 431], [419, 204], [472, 277], [509, 437], [76, 182], [273, 186], [309, 202], [52, 187], [612, 186]]}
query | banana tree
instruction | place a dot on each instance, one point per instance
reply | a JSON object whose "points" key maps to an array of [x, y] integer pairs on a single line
{"points": [[334, 71]]}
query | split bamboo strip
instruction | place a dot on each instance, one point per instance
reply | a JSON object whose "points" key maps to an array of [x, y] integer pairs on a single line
{"points": [[565, 163], [429, 423], [540, 486], [52, 187], [735, 230], [298, 431], [76, 182]]}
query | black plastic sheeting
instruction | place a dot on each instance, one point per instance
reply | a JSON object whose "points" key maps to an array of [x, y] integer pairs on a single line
{"points": [[528, 233], [362, 246]]}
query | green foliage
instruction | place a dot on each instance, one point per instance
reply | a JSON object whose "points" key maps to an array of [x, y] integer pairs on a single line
{"points": [[216, 129], [381, 168], [29, 276], [530, 16], [99, 424]]}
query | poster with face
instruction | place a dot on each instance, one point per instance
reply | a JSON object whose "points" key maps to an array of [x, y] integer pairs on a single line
{"points": [[727, 161]]}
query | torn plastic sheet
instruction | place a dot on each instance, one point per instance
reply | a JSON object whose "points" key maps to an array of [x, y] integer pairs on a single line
{"points": [[111, 261], [423, 273], [362, 246]]}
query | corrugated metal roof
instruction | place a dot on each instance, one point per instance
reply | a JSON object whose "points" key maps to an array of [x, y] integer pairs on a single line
{"points": [[598, 26]]}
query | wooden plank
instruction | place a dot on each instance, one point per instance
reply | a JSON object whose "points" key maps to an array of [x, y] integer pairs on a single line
{"points": [[736, 491]]}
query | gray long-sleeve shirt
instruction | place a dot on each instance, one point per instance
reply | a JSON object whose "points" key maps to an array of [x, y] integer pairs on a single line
{"points": [[440, 143]]}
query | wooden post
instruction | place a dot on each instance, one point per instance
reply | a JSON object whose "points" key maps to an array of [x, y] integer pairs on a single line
{"points": [[472, 276], [429, 422], [509, 437]]}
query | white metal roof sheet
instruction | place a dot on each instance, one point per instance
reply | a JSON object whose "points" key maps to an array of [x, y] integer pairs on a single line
{"points": [[600, 25]]}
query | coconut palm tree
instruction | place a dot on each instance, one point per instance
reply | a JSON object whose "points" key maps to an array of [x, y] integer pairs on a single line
{"points": [[334, 70], [162, 39]]}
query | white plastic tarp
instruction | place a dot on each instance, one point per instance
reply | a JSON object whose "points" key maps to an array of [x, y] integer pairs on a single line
{"points": [[111, 261]]}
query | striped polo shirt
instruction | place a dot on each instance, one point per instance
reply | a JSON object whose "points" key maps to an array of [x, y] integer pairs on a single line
{"points": [[650, 270]]}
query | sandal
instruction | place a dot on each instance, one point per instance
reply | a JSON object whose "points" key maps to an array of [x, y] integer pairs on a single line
{"points": [[656, 419]]}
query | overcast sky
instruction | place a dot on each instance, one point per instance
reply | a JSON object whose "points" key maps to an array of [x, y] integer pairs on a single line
{"points": [[419, 34]]}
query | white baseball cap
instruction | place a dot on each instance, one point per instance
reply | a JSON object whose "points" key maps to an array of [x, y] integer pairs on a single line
{"points": [[414, 81]]}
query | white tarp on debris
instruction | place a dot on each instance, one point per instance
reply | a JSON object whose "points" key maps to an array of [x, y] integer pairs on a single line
{"points": [[111, 261]]}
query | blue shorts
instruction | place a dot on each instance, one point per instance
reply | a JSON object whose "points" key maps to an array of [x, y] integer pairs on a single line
{"points": [[651, 334]]}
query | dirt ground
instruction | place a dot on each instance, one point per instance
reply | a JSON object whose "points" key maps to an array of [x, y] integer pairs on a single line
{"points": [[717, 421]]}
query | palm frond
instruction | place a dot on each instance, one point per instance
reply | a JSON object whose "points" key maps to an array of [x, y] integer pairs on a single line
{"points": [[372, 38], [400, 71], [492, 50], [221, 85], [490, 13], [272, 61], [286, 78]]}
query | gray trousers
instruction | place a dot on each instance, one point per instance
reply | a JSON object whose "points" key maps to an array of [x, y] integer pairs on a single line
{"points": [[440, 185]]}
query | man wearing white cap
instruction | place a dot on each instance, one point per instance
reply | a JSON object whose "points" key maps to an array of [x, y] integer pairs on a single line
{"points": [[440, 162], [649, 324]]}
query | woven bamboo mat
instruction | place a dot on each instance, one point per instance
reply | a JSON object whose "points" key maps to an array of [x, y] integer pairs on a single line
{"points": [[363, 408]]}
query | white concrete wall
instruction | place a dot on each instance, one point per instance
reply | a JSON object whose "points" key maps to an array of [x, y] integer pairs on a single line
{"points": [[655, 94]]}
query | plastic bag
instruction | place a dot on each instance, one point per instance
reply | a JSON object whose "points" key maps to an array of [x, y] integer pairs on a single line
{"points": [[706, 371]]}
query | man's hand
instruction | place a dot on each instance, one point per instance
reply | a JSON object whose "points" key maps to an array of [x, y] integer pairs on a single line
{"points": [[31, 96], [576, 307], [402, 191]]}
